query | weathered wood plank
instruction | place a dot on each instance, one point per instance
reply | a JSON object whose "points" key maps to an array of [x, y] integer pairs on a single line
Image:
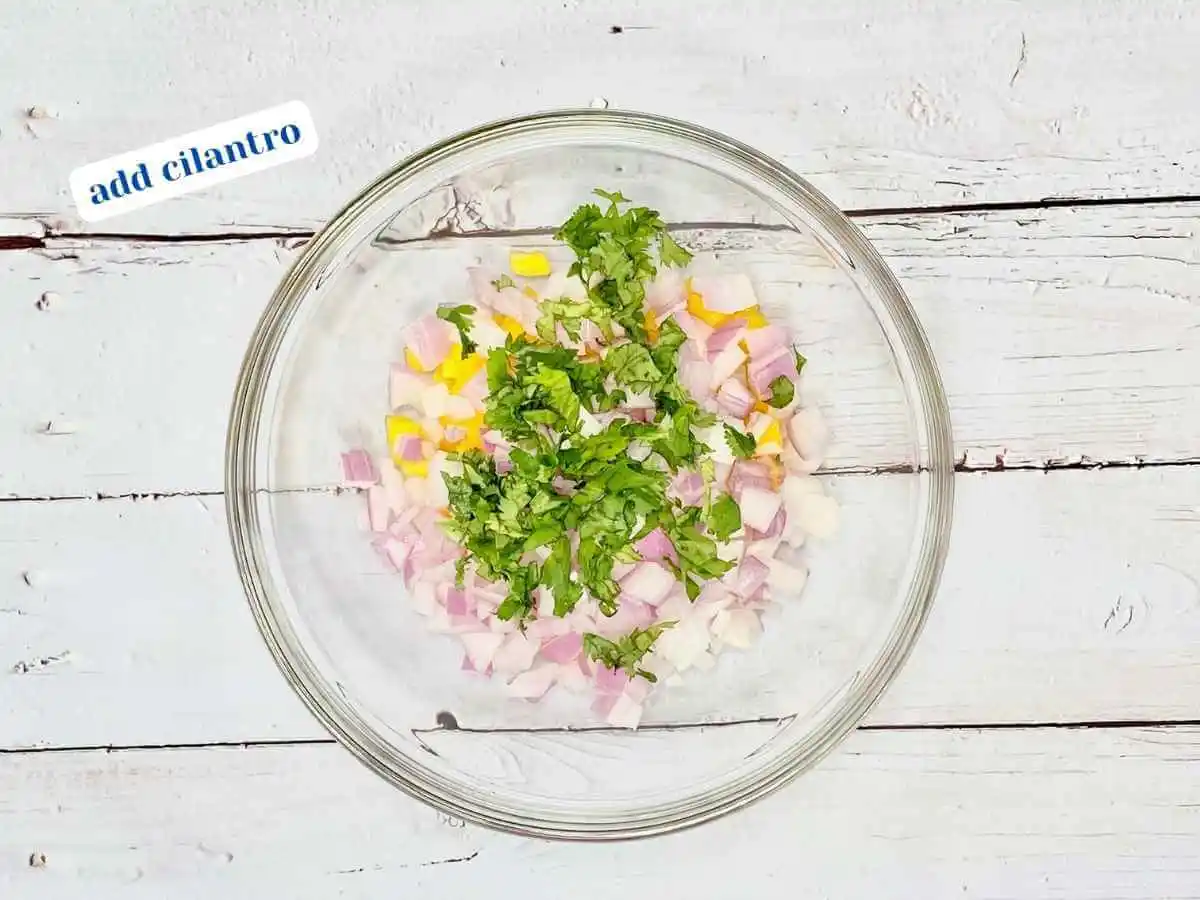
{"points": [[1052, 814], [1062, 334], [895, 105], [1067, 597]]}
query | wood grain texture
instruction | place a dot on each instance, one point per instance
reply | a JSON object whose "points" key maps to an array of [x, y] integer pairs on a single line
{"points": [[1060, 334], [1048, 814], [123, 623], [881, 105]]}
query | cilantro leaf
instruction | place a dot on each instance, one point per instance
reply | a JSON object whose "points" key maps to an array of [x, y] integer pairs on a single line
{"points": [[569, 314], [782, 392], [504, 281], [556, 574], [742, 444], [559, 393], [671, 253], [632, 365], [801, 359], [626, 652], [725, 517], [460, 318]]}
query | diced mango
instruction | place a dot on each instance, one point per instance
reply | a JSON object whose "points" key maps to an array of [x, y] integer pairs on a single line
{"points": [[414, 361], [397, 427], [752, 316], [652, 330], [529, 292], [472, 440], [509, 324], [529, 265], [455, 370]]}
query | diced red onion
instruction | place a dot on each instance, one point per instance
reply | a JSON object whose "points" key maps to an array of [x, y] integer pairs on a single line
{"points": [[722, 337], [748, 473], [751, 575], [456, 602], [562, 649], [696, 377], [725, 293], [656, 546], [430, 339], [698, 333], [378, 508], [688, 487], [759, 507], [735, 399], [665, 292], [782, 364], [649, 583], [358, 469], [764, 342], [610, 681], [725, 364]]}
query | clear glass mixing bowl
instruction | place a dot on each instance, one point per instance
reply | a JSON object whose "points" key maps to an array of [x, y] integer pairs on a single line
{"points": [[337, 620]]}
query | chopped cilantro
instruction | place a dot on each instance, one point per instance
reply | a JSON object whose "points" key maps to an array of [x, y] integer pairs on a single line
{"points": [[625, 654], [544, 399], [671, 253], [742, 444], [801, 359], [725, 517], [782, 392], [460, 318]]}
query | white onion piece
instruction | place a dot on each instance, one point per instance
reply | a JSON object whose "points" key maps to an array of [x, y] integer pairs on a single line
{"points": [[665, 291], [648, 583], [705, 662], [625, 713], [759, 507], [515, 655], [725, 293], [725, 364], [560, 284], [588, 424], [459, 407], [392, 483], [809, 435], [378, 510], [532, 685], [404, 387], [486, 332], [481, 647], [682, 645], [433, 400], [424, 599], [785, 580], [809, 511], [714, 437], [737, 627], [819, 515]]}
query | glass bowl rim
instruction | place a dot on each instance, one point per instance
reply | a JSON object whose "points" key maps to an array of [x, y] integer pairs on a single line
{"points": [[934, 461]]}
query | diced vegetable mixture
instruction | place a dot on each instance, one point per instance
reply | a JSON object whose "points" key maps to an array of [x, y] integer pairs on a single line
{"points": [[597, 477]]}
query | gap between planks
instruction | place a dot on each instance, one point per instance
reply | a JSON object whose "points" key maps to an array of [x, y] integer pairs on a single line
{"points": [[962, 466], [1066, 725], [50, 234]]}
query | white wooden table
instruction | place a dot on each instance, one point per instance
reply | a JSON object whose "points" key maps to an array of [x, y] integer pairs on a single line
{"points": [[1030, 170]]}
